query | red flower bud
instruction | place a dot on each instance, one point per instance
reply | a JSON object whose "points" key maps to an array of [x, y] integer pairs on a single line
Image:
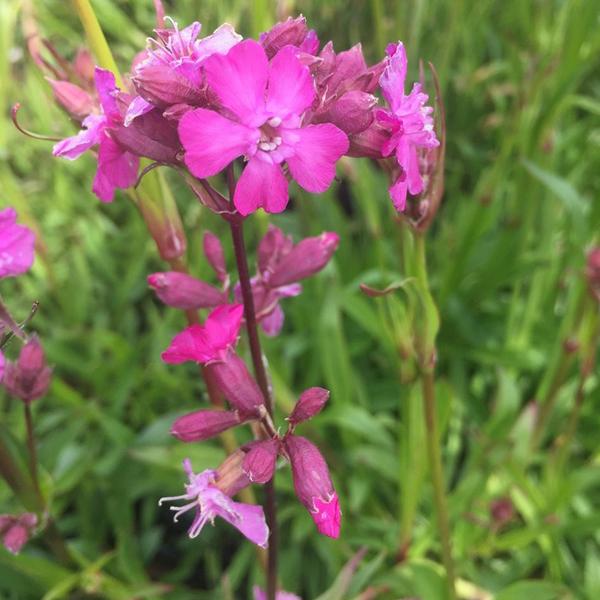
{"points": [[291, 32], [204, 424], [310, 403], [162, 86], [183, 291], [305, 259], [260, 460], [313, 484], [352, 112], [237, 385], [16, 531], [29, 377]]}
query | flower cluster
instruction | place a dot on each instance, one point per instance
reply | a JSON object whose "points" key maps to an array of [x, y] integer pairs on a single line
{"points": [[286, 108], [281, 265], [213, 345]]}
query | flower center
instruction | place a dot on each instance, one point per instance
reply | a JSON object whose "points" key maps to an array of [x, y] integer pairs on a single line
{"points": [[269, 135]]}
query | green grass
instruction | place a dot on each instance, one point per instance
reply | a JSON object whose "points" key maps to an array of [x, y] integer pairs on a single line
{"points": [[522, 93]]}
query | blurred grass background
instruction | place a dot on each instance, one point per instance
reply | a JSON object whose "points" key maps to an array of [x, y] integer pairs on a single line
{"points": [[521, 87]]}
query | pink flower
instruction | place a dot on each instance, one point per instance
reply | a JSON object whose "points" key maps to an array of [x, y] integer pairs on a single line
{"points": [[209, 502], [16, 245], [261, 595], [209, 342], [410, 123], [117, 168], [313, 484], [263, 104], [16, 530]]}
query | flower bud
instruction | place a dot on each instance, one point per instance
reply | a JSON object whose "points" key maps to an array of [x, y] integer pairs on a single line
{"points": [[272, 248], [16, 531], [305, 259], [291, 32], [369, 143], [313, 485], [84, 65], [29, 377], [502, 511], [310, 403], [230, 476], [237, 385], [213, 250], [76, 101], [592, 271], [260, 460], [204, 424], [162, 86], [352, 112], [183, 291]]}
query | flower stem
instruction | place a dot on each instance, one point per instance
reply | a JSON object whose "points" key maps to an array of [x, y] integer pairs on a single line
{"points": [[33, 468], [237, 235]]}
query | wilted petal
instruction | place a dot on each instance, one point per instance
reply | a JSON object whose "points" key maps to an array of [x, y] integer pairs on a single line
{"points": [[316, 152], [261, 185], [239, 79], [211, 141], [291, 88]]}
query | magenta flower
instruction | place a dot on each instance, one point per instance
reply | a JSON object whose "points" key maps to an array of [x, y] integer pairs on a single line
{"points": [[16, 530], [263, 104], [262, 595], [117, 168], [16, 245], [209, 342], [209, 502], [410, 123]]}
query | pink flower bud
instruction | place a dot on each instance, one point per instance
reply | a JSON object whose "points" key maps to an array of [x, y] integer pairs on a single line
{"points": [[313, 484], [76, 101], [84, 65], [260, 460], [272, 248], [29, 377], [305, 259], [183, 291], [310, 403], [370, 142], [16, 530], [352, 112], [213, 250], [291, 32], [237, 385], [162, 86], [204, 424]]}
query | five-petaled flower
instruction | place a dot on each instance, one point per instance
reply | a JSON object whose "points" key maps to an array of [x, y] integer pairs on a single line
{"points": [[262, 108], [209, 502]]}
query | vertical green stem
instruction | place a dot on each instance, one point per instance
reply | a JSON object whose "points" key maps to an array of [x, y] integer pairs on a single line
{"points": [[33, 468]]}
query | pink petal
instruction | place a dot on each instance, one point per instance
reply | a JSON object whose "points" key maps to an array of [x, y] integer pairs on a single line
{"points": [[218, 42], [15, 538], [239, 79], [223, 324], [73, 147], [262, 184], [413, 175], [117, 168], [273, 323], [189, 345], [394, 76], [106, 87], [398, 193], [137, 108], [16, 245], [248, 519], [211, 141], [291, 87], [317, 150], [328, 516]]}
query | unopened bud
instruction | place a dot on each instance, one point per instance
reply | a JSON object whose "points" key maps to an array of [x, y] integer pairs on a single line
{"points": [[204, 424], [231, 477], [260, 460], [183, 291], [502, 511], [16, 530], [352, 113], [237, 385], [313, 485], [162, 86], [305, 259], [310, 403], [291, 32], [272, 248], [213, 250], [369, 142], [29, 377], [76, 101]]}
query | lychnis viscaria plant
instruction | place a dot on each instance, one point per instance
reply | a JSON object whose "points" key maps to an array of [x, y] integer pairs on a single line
{"points": [[241, 120]]}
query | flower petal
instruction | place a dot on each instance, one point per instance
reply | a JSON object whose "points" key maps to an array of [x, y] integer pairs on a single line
{"points": [[137, 108], [262, 184], [117, 168], [315, 153], [106, 87], [239, 79], [273, 323], [211, 141], [248, 519], [74, 146], [291, 88], [394, 75]]}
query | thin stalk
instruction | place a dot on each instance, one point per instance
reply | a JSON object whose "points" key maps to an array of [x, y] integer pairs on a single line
{"points": [[437, 478], [237, 235], [31, 446]]}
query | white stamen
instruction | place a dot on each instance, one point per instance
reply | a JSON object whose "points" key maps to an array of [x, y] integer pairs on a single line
{"points": [[274, 121]]}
